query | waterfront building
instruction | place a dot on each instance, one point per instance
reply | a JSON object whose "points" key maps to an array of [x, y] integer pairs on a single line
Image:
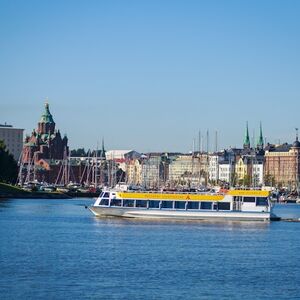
{"points": [[121, 157], [152, 170], [282, 164], [242, 169], [226, 171], [185, 170], [249, 169], [44, 151], [249, 162], [213, 166], [13, 139], [46, 141], [258, 172], [91, 170], [258, 162], [204, 165], [134, 172]]}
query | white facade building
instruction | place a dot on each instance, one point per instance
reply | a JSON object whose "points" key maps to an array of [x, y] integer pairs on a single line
{"points": [[121, 157], [226, 171], [13, 139], [258, 173], [121, 154], [134, 172], [214, 160]]}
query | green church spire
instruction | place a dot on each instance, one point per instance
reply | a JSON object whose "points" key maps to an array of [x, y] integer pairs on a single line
{"points": [[46, 116], [247, 139], [260, 142]]}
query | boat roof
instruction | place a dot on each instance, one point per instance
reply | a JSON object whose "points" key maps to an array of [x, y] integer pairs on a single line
{"points": [[190, 196]]}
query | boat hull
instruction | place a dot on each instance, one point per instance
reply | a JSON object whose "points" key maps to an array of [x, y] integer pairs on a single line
{"points": [[179, 214]]}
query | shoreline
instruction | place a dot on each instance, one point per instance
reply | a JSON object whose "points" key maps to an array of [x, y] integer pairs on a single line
{"points": [[39, 195], [8, 191]]}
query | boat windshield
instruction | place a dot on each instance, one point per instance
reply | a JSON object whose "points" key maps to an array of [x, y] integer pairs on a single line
{"points": [[104, 201]]}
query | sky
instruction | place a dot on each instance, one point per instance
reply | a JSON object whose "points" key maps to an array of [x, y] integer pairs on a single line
{"points": [[149, 75]]}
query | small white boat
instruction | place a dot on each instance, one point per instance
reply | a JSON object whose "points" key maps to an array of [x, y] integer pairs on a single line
{"points": [[62, 189], [234, 205]]}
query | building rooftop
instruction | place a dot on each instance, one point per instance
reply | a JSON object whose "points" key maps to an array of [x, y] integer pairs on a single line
{"points": [[6, 125], [278, 148]]}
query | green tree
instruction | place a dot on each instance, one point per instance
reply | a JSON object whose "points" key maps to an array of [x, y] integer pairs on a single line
{"points": [[80, 152], [233, 179], [269, 180], [247, 180], [8, 166]]}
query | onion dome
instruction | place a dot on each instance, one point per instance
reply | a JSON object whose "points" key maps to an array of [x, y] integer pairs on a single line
{"points": [[296, 144], [46, 116]]}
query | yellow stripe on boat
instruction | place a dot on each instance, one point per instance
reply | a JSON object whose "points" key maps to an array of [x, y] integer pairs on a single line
{"points": [[254, 193], [166, 196]]}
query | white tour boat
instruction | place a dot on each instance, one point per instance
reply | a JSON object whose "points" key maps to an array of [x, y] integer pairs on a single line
{"points": [[232, 205]]}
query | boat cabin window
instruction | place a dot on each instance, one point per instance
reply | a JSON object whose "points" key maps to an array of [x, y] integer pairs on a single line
{"points": [[153, 204], [206, 205], [166, 204], [180, 204], [193, 205], [141, 203], [106, 195], [223, 206], [128, 203], [104, 201], [115, 202], [249, 199], [101, 194], [261, 201]]}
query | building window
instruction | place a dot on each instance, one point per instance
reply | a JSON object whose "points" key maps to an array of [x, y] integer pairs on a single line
{"points": [[249, 199]]}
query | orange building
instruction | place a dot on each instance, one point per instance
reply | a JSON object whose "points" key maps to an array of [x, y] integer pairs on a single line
{"points": [[282, 164]]}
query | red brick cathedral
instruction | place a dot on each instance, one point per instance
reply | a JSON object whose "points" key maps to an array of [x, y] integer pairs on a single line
{"points": [[45, 148]]}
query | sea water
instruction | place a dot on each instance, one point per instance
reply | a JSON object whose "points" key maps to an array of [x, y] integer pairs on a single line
{"points": [[56, 249]]}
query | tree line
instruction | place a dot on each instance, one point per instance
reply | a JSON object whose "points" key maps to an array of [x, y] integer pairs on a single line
{"points": [[8, 165]]}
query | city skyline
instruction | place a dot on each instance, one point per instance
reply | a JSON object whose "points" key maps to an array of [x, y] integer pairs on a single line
{"points": [[149, 76], [204, 141]]}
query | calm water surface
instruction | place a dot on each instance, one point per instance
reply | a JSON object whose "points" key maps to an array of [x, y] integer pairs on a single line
{"points": [[56, 249]]}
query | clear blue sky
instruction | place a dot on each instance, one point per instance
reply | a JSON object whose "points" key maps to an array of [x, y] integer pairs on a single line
{"points": [[147, 75]]}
